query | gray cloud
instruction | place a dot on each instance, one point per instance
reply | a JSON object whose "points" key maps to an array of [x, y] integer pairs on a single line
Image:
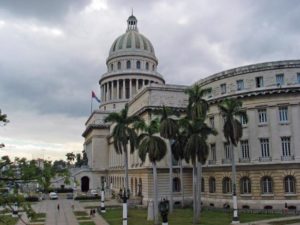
{"points": [[45, 10]]}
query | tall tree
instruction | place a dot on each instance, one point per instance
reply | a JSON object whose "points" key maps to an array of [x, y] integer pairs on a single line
{"points": [[196, 150], [168, 130], [123, 134], [70, 157], [233, 131], [178, 153], [155, 147], [196, 112], [3, 118]]}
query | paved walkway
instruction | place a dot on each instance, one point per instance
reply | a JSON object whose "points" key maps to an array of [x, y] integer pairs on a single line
{"points": [[267, 222]]}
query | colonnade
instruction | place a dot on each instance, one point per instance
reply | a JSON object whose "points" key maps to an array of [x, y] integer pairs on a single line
{"points": [[122, 88], [117, 160]]}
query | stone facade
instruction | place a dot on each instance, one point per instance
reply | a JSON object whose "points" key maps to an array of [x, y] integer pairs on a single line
{"points": [[268, 156]]}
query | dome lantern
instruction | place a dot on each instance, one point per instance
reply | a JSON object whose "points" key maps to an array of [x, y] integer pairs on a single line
{"points": [[132, 23]]}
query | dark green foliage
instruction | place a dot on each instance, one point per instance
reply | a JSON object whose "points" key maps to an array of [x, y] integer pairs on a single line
{"points": [[32, 199], [87, 197]]}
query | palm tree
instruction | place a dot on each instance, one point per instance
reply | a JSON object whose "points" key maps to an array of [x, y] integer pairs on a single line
{"points": [[178, 154], [123, 135], [168, 130], [155, 147], [196, 150], [233, 131], [70, 157], [3, 118], [196, 111]]}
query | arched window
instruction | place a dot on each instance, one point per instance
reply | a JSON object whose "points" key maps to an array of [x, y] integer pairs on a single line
{"points": [[245, 185], [119, 65], [153, 67], [289, 184], [128, 64], [226, 184], [111, 67], [212, 185], [267, 185], [147, 66], [138, 64], [202, 185], [176, 184]]}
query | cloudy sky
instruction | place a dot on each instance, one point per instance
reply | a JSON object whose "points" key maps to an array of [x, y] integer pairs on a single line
{"points": [[53, 53]]}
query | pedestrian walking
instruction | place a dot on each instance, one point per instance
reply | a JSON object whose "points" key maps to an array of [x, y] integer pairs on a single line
{"points": [[58, 207]]}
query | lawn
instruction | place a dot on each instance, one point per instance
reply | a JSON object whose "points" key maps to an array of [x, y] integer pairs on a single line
{"points": [[7, 220], [284, 222], [87, 223], [182, 216]]}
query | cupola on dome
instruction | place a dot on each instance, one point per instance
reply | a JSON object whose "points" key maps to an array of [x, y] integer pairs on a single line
{"points": [[132, 42]]}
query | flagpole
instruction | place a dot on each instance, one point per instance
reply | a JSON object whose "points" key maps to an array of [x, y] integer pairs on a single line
{"points": [[91, 104]]}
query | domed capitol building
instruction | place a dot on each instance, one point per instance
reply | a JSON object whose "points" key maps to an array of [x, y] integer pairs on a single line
{"points": [[268, 155]]}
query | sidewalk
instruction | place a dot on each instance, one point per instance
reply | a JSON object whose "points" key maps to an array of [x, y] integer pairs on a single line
{"points": [[267, 222]]}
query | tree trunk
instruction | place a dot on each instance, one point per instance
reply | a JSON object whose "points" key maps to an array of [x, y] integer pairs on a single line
{"points": [[171, 177], [125, 204], [235, 218], [181, 184], [155, 192], [194, 193], [199, 190]]}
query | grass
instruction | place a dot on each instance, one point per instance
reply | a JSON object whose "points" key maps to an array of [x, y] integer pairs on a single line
{"points": [[80, 213], [87, 223], [83, 218], [39, 217], [284, 222], [7, 220], [182, 216]]}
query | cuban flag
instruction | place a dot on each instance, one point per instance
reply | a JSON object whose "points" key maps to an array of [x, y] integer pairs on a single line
{"points": [[95, 97]]}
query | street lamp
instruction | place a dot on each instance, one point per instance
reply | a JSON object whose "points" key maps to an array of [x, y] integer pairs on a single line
{"points": [[124, 195], [163, 207], [102, 206]]}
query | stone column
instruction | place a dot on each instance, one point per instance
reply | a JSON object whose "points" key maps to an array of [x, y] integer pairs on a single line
{"points": [[105, 91], [130, 88], [113, 90], [118, 89], [136, 86], [124, 88]]}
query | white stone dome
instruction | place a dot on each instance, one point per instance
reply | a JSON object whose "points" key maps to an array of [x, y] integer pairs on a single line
{"points": [[132, 43]]}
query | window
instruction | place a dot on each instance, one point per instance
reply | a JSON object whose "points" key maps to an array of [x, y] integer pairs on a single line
{"points": [[223, 88], [209, 93], [227, 151], [212, 122], [264, 146], [147, 66], [226, 185], [212, 185], [298, 78], [267, 185], [176, 184], [153, 67], [262, 116], [243, 119], [245, 149], [128, 64], [286, 146], [259, 82], [202, 185], [279, 79], [283, 114], [119, 65], [213, 152], [245, 185], [138, 65], [240, 85], [289, 184], [111, 67]]}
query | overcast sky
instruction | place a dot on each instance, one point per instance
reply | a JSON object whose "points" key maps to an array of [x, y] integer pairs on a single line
{"points": [[52, 55]]}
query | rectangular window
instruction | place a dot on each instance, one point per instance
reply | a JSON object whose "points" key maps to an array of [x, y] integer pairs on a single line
{"points": [[240, 85], [212, 122], [286, 146], [298, 78], [213, 152], [264, 146], [262, 116], [227, 151], [245, 149], [283, 114], [279, 79], [209, 93], [259, 82], [243, 120], [223, 88]]}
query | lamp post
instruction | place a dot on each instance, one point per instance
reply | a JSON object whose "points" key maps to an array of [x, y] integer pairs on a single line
{"points": [[163, 207], [124, 195], [102, 205]]}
